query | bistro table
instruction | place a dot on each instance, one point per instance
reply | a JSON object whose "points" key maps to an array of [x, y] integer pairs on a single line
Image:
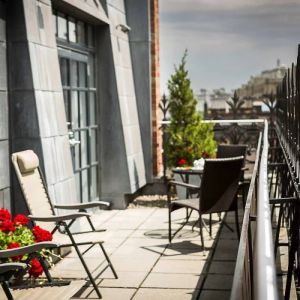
{"points": [[185, 174]]}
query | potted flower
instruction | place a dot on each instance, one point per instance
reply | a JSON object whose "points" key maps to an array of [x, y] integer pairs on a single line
{"points": [[14, 233]]}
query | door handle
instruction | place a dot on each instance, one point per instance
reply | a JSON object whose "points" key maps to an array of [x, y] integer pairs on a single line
{"points": [[73, 142]]}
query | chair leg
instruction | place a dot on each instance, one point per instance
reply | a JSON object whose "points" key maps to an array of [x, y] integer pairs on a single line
{"points": [[210, 226], [92, 280], [237, 223], [6, 290], [201, 231], [170, 229], [109, 261]]}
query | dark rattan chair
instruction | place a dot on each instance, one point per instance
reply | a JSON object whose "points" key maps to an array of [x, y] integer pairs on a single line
{"points": [[226, 151], [217, 192]]}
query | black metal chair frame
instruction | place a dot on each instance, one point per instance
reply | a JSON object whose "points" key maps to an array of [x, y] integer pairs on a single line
{"points": [[227, 193], [17, 269]]}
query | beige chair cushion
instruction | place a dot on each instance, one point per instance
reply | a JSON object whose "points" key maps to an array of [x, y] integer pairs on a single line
{"points": [[27, 161]]}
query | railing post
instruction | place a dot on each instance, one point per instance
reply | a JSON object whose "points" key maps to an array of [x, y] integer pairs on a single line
{"points": [[164, 106]]}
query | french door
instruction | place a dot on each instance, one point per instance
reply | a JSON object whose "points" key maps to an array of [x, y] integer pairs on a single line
{"points": [[78, 81]]}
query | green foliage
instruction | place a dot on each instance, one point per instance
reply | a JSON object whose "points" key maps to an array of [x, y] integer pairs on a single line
{"points": [[235, 104], [188, 137], [21, 235]]}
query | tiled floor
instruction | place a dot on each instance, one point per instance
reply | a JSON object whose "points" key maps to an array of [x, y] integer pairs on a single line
{"points": [[148, 267]]}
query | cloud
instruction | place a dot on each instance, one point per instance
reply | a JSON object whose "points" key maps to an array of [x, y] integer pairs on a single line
{"points": [[233, 37]]}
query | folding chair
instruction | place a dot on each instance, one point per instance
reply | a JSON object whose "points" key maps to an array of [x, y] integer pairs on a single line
{"points": [[10, 269], [26, 164]]}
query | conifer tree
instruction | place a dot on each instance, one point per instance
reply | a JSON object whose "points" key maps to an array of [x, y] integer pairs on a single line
{"points": [[188, 137]]}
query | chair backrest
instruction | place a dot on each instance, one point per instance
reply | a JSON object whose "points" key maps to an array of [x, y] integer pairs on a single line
{"points": [[219, 184], [226, 151], [26, 165]]}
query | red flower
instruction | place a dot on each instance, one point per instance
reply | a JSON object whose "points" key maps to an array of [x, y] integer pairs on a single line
{"points": [[14, 245], [41, 235], [36, 268], [4, 215], [20, 220], [182, 162], [7, 226], [205, 155]]}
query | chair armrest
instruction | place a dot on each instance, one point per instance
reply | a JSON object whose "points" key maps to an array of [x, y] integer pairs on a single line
{"points": [[186, 185], [59, 218], [27, 249], [82, 205], [12, 266]]}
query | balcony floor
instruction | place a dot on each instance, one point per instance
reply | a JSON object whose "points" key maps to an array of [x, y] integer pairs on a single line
{"points": [[148, 267]]}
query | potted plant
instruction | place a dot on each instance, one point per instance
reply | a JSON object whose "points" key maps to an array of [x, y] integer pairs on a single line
{"points": [[14, 233], [189, 138]]}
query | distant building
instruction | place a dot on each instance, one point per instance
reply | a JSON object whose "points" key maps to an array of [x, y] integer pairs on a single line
{"points": [[217, 100], [203, 99], [263, 84]]}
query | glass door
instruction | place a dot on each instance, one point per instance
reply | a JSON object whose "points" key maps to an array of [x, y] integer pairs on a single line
{"points": [[76, 48], [79, 90]]}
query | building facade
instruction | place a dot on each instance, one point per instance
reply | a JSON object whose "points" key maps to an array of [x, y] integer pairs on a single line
{"points": [[266, 83], [77, 88]]}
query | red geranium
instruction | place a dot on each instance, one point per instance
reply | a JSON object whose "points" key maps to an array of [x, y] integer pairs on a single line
{"points": [[4, 215], [41, 235], [182, 162], [20, 220], [36, 268], [205, 155], [14, 245], [7, 226]]}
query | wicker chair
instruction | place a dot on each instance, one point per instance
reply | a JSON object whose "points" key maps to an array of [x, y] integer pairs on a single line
{"points": [[217, 192]]}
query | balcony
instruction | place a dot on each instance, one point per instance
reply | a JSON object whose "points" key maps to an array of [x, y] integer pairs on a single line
{"points": [[150, 268]]}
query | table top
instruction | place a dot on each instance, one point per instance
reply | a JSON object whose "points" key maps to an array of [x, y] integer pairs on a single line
{"points": [[187, 171]]}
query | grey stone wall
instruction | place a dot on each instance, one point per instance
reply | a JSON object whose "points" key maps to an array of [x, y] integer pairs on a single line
{"points": [[36, 101], [4, 128], [122, 159], [138, 18]]}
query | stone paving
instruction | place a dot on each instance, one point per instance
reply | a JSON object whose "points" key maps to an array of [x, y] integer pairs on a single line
{"points": [[148, 267]]}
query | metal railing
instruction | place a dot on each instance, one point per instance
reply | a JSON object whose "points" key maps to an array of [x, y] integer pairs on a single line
{"points": [[287, 127], [255, 271]]}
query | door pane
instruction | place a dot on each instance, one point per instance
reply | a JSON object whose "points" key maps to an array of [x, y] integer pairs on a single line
{"points": [[91, 72], [72, 30], [62, 26], [80, 33], [74, 110], [74, 73], [83, 109], [83, 148], [84, 186], [93, 183], [92, 109], [82, 74], [78, 184], [76, 148], [93, 145]]}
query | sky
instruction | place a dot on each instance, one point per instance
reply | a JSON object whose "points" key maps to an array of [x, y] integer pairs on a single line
{"points": [[227, 40]]}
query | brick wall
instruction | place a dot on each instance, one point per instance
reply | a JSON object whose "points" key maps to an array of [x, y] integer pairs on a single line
{"points": [[155, 86]]}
